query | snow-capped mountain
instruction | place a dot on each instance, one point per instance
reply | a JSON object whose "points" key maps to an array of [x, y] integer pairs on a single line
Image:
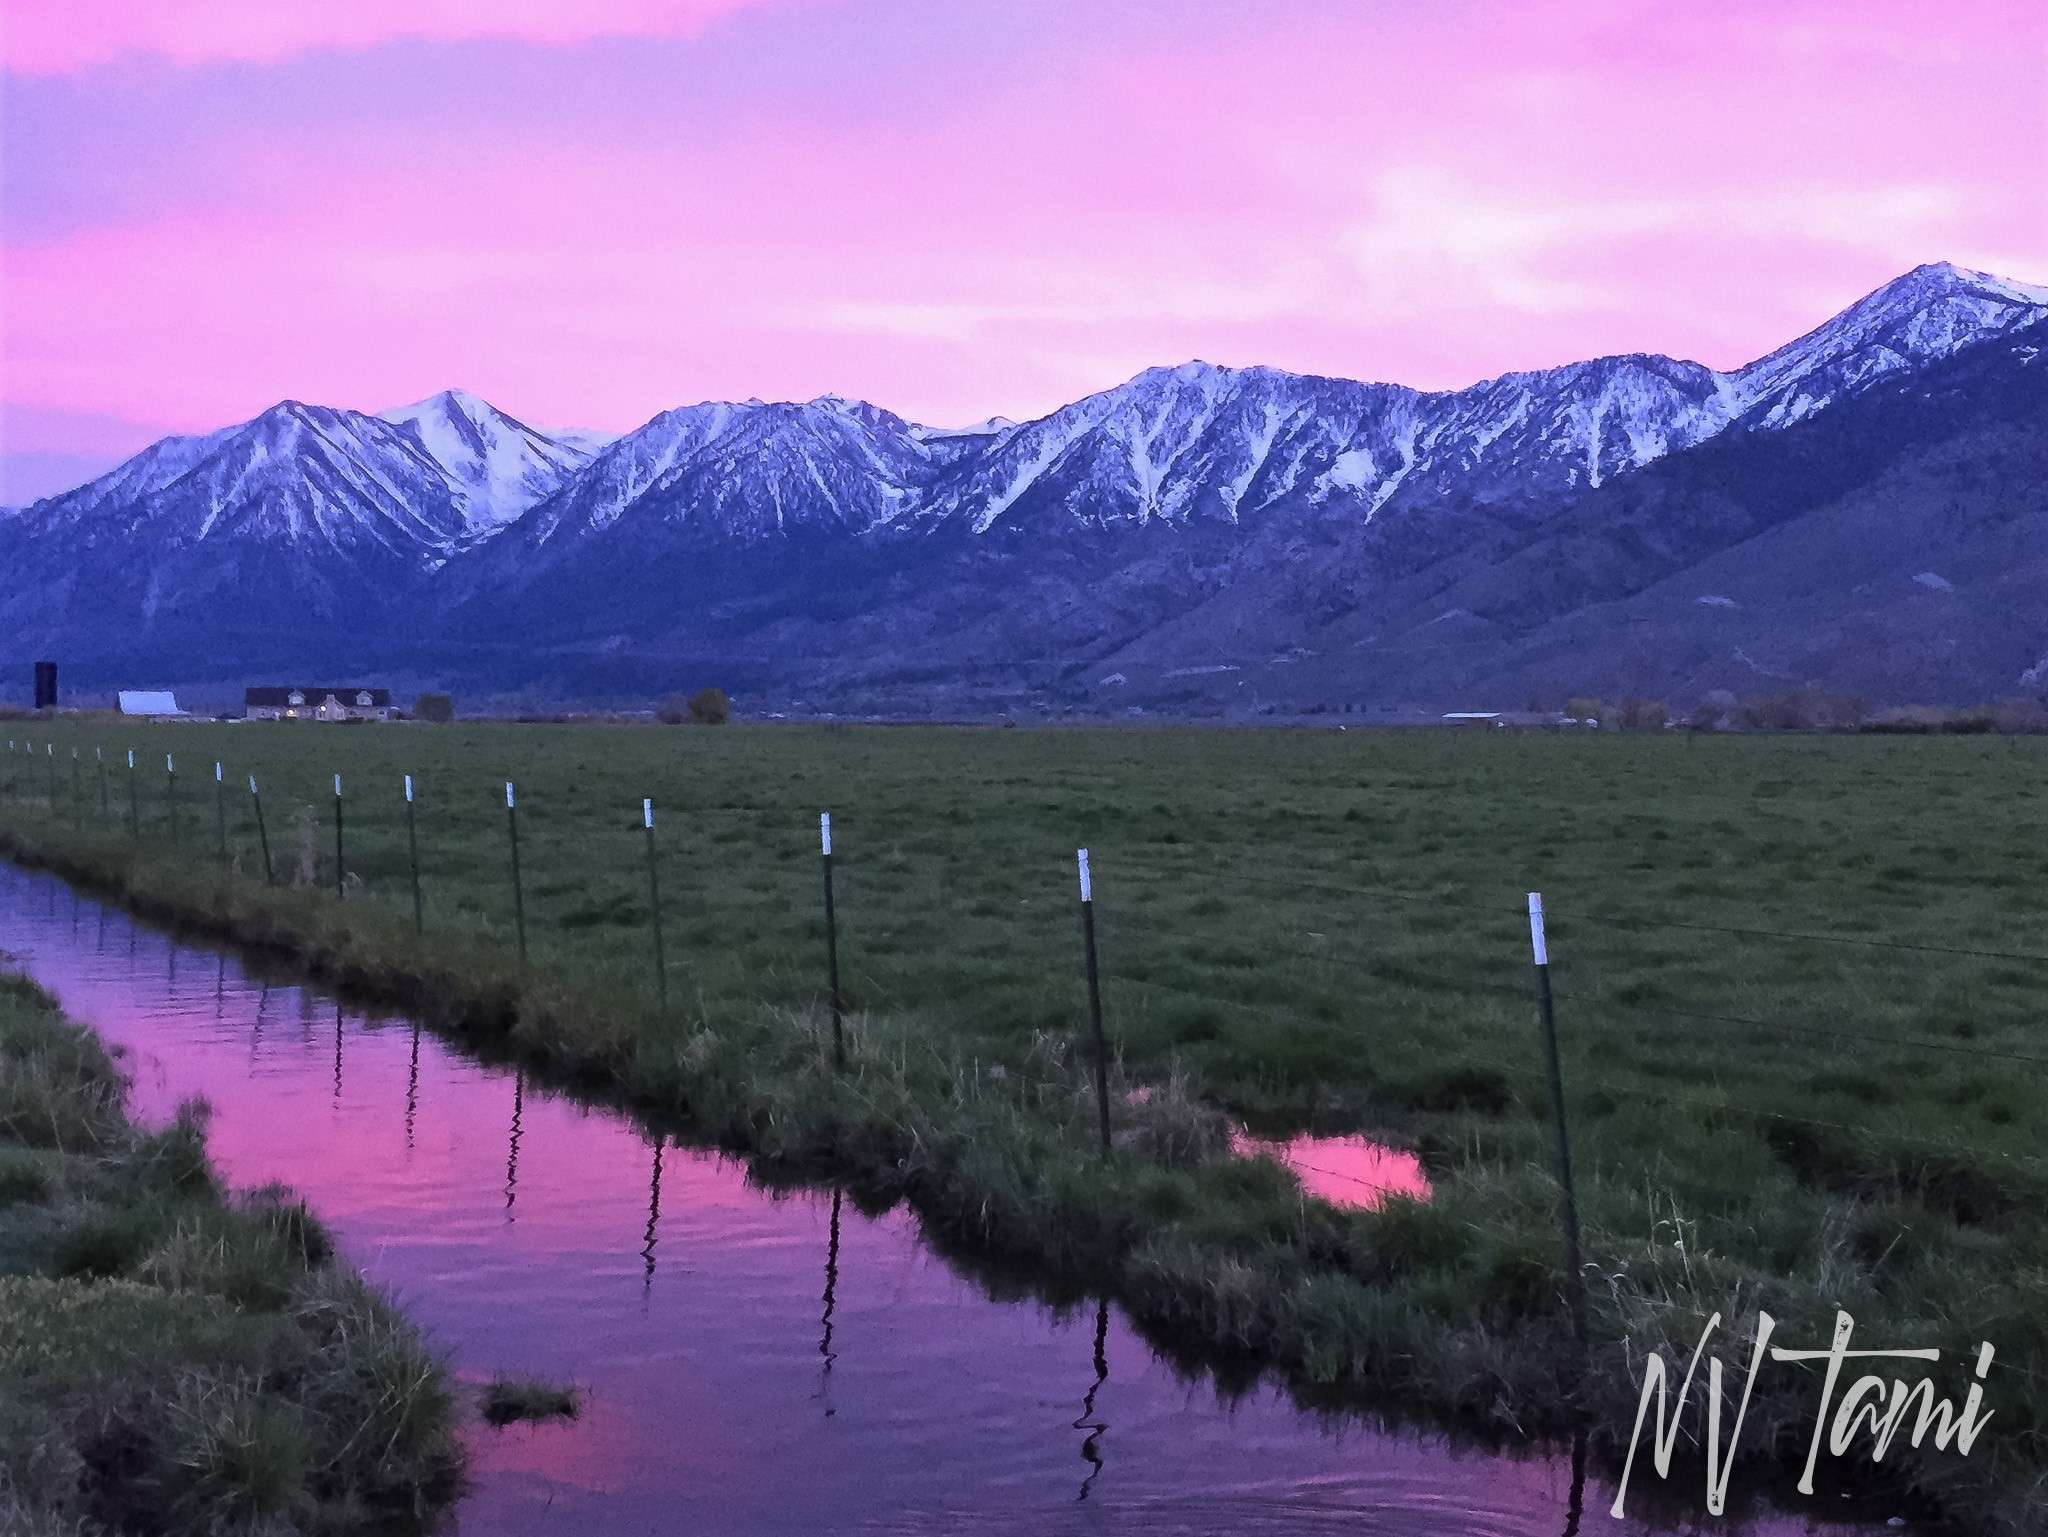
{"points": [[744, 471], [497, 464], [1139, 504], [303, 518], [1204, 444], [310, 479], [1932, 312]]}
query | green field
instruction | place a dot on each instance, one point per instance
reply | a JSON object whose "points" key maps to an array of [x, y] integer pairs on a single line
{"points": [[1834, 1106]]}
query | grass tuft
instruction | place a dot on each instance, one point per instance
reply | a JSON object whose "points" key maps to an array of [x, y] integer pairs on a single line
{"points": [[507, 1400]]}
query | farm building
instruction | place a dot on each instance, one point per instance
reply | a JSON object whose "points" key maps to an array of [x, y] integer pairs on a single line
{"points": [[306, 703], [157, 704]]}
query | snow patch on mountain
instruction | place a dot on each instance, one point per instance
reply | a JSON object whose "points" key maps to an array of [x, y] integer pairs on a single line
{"points": [[497, 465]]}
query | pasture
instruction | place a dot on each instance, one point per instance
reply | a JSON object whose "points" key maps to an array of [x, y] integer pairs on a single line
{"points": [[1798, 984]]}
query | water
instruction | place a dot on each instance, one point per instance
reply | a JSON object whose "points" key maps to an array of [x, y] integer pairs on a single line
{"points": [[754, 1363]]}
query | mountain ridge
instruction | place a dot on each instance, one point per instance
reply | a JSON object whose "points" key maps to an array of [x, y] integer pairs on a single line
{"points": [[455, 522]]}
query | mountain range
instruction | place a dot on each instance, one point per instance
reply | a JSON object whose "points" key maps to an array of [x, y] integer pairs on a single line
{"points": [[1861, 509]]}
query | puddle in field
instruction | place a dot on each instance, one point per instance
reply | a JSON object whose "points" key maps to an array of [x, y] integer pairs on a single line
{"points": [[1343, 1170], [754, 1362]]}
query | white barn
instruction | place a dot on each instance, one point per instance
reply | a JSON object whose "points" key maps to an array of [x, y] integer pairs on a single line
{"points": [[154, 703]]}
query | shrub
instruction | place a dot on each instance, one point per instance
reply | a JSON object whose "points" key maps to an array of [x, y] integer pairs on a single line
{"points": [[672, 711], [434, 707], [1716, 709], [1585, 709], [1643, 714], [710, 707], [1776, 712]]}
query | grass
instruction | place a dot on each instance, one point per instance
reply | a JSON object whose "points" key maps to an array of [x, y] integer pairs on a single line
{"points": [[1305, 930], [175, 1359], [508, 1400]]}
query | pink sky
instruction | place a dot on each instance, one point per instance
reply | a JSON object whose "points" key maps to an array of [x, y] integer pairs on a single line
{"points": [[592, 210]]}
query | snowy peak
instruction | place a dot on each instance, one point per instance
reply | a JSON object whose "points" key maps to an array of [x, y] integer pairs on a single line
{"points": [[1921, 317], [745, 471], [299, 479], [496, 464]]}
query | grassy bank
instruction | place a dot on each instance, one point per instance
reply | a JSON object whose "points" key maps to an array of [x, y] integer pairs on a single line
{"points": [[175, 1359], [1309, 930]]}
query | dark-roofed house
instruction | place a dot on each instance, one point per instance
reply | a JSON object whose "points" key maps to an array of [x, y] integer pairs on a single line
{"points": [[307, 703]]}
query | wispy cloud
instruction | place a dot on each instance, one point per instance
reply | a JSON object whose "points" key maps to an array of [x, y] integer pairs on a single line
{"points": [[592, 211], [61, 39]]}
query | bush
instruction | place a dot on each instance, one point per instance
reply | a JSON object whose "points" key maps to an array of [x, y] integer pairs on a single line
{"points": [[1585, 709], [710, 707], [1776, 712], [1716, 709], [1643, 715], [672, 711], [434, 707]]}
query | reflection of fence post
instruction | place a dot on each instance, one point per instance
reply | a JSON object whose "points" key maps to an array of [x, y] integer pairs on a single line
{"points": [[220, 811], [340, 869], [654, 905], [262, 832], [412, 849], [832, 944], [1094, 996], [1568, 1199], [518, 896]]}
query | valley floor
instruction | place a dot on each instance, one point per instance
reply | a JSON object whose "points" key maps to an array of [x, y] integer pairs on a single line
{"points": [[1797, 984]]}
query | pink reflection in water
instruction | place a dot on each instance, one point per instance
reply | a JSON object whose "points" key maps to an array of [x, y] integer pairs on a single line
{"points": [[1345, 1171]]}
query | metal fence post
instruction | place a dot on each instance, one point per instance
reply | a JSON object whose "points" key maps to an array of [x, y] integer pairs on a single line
{"points": [[340, 869], [134, 801], [99, 759], [171, 794], [412, 849], [832, 945], [1094, 995], [220, 812], [262, 832], [518, 895], [1568, 1198], [654, 904]]}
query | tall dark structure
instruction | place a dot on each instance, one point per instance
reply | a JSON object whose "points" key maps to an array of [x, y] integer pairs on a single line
{"points": [[46, 685]]}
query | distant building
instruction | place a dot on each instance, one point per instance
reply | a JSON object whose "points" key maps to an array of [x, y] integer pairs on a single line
{"points": [[156, 703], [307, 703]]}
